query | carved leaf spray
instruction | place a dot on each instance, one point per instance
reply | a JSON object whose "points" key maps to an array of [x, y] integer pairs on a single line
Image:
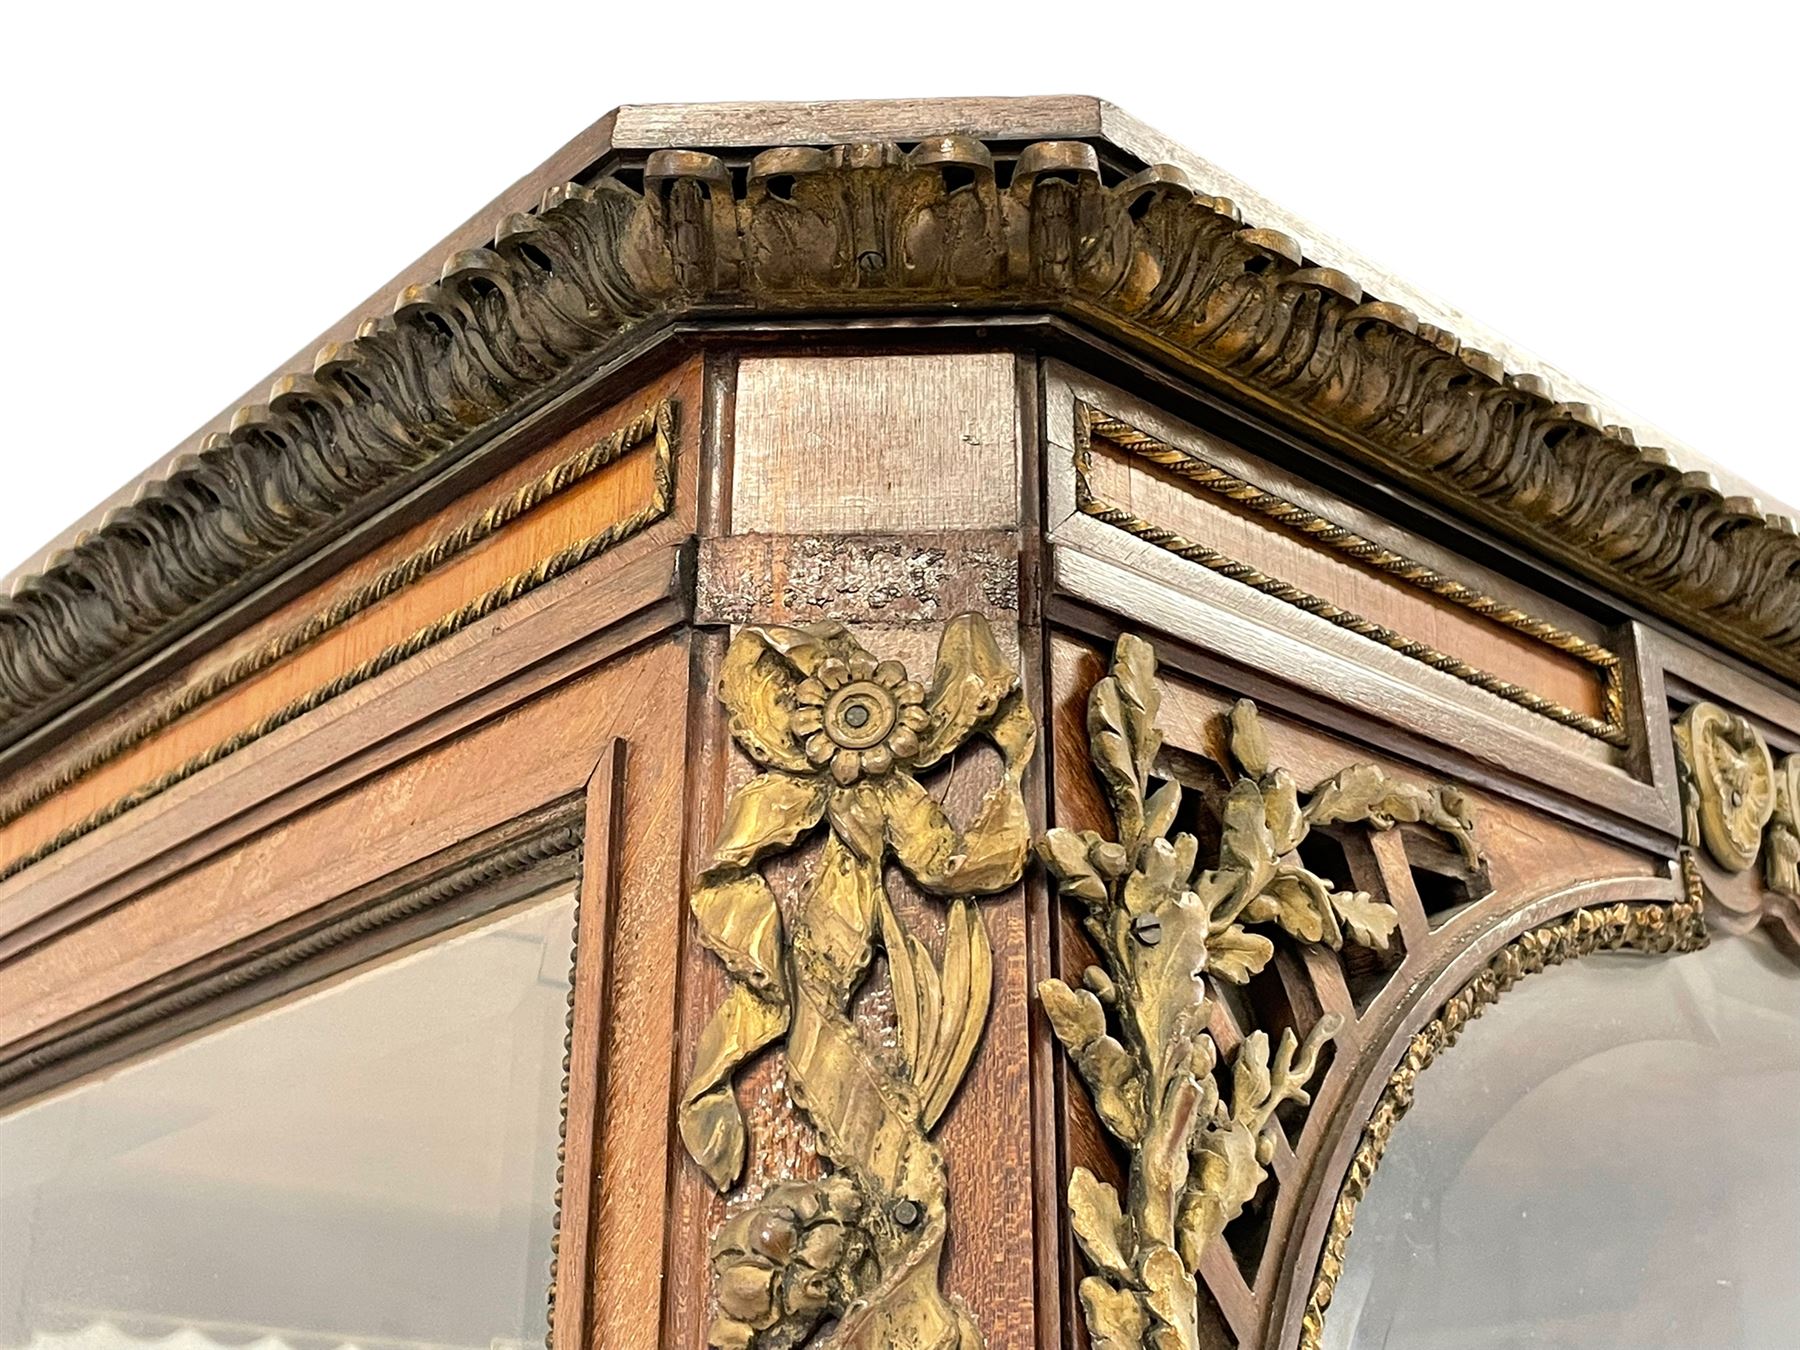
{"points": [[1161, 928], [839, 735]]}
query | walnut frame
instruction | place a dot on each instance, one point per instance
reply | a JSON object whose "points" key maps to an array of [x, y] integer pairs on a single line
{"points": [[578, 838]]}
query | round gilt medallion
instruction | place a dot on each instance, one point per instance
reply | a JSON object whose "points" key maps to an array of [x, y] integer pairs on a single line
{"points": [[860, 714], [1729, 781]]}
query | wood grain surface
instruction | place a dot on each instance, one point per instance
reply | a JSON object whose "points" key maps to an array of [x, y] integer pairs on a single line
{"points": [[830, 444], [886, 489]]}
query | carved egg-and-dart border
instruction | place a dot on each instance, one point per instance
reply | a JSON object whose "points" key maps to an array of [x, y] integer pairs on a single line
{"points": [[872, 227]]}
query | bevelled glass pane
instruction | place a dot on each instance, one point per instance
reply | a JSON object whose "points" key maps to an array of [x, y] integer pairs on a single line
{"points": [[1608, 1159], [371, 1163]]}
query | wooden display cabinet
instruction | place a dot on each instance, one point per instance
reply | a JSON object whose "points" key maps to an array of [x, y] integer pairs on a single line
{"points": [[776, 534]]}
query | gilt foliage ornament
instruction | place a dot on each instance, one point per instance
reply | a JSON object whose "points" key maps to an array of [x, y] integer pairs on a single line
{"points": [[1137, 1031], [839, 736], [1739, 802]]}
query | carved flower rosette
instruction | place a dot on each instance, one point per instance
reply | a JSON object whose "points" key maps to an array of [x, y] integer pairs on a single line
{"points": [[840, 737], [1137, 1028]]}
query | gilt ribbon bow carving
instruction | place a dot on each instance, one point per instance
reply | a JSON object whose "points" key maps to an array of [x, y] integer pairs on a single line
{"points": [[840, 736]]}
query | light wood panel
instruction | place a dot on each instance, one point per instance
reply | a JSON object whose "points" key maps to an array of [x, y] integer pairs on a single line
{"points": [[829, 444], [528, 757]]}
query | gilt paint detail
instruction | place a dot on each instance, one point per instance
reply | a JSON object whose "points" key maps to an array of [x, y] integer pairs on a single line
{"points": [[840, 736], [1137, 1029]]}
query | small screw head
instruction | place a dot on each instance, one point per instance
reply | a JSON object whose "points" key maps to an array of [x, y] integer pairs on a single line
{"points": [[1147, 929], [906, 1213]]}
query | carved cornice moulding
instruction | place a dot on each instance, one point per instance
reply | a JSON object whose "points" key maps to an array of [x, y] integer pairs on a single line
{"points": [[874, 228], [654, 427]]}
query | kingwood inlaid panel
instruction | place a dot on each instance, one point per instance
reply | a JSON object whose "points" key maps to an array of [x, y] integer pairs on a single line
{"points": [[589, 491], [1181, 501]]}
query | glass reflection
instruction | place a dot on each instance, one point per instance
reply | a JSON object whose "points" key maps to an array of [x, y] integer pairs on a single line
{"points": [[368, 1164], [1610, 1157]]}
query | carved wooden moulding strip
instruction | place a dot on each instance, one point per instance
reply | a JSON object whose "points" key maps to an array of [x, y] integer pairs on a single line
{"points": [[872, 227], [1650, 927], [1604, 664], [556, 835], [652, 432]]}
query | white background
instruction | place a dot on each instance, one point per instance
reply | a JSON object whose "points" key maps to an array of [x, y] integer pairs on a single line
{"points": [[193, 192]]}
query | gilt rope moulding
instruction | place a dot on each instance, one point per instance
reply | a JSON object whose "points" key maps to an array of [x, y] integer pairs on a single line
{"points": [[1043, 693]]}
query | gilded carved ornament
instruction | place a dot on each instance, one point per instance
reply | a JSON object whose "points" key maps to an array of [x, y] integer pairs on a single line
{"points": [[1781, 848], [1137, 1030], [1736, 800], [1728, 783], [840, 736]]}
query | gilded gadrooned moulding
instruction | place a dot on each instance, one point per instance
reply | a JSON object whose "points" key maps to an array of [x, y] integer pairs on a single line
{"points": [[872, 228], [840, 736], [1137, 1029]]}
